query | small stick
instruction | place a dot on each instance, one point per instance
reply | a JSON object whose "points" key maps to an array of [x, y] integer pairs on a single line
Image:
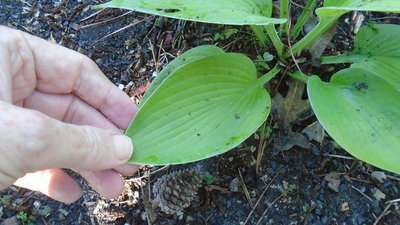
{"points": [[300, 6], [266, 210], [104, 21], [392, 177], [383, 213], [290, 48], [393, 201], [88, 17], [259, 199], [153, 172], [359, 191], [246, 192], [121, 29], [341, 157]]}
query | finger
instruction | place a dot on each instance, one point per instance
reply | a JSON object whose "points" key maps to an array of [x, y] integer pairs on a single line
{"points": [[68, 108], [40, 142], [54, 183], [127, 169], [107, 183], [80, 76]]}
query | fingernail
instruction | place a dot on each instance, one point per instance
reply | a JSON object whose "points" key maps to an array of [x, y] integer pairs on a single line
{"points": [[123, 147]]}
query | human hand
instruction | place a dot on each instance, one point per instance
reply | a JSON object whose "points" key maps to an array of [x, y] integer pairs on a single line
{"points": [[58, 110]]}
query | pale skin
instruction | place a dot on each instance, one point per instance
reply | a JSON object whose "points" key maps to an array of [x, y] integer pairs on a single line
{"points": [[58, 110]]}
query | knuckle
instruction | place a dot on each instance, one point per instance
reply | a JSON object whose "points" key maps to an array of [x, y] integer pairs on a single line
{"points": [[93, 145], [35, 130]]}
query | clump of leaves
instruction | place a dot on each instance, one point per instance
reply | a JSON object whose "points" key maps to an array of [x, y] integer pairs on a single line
{"points": [[207, 101]]}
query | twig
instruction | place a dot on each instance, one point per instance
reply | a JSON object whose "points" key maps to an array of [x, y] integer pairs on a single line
{"points": [[393, 201], [149, 197], [341, 157], [158, 57], [153, 172], [392, 177], [154, 55], [290, 48], [383, 213], [104, 21], [121, 29], [207, 219], [300, 6], [359, 191], [261, 147], [266, 210], [90, 16], [246, 192], [259, 199]]}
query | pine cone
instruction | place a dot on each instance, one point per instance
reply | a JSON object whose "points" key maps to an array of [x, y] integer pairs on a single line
{"points": [[174, 192]]}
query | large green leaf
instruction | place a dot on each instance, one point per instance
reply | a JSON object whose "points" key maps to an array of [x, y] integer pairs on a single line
{"points": [[202, 109], [376, 49], [333, 9], [361, 112], [235, 12], [187, 57]]}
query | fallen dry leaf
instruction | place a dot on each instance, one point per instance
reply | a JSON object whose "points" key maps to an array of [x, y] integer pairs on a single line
{"points": [[333, 181], [344, 207], [140, 90], [379, 176], [379, 195], [292, 108], [315, 132]]}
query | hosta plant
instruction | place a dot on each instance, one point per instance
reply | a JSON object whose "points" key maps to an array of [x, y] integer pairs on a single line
{"points": [[207, 101]]}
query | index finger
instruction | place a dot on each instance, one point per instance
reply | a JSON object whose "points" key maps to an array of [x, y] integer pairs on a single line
{"points": [[61, 70]]}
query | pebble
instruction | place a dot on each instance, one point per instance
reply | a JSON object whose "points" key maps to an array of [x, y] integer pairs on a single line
{"points": [[234, 185]]}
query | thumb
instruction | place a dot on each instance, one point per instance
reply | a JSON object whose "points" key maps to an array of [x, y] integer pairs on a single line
{"points": [[41, 142]]}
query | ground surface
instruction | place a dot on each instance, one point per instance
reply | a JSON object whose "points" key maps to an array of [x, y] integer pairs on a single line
{"points": [[313, 182]]}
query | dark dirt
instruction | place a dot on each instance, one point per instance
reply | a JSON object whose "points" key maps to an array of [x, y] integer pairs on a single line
{"points": [[317, 183]]}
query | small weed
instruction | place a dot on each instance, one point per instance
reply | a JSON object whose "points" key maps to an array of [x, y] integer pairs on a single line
{"points": [[209, 178], [226, 34], [25, 218], [45, 211], [5, 199], [289, 190], [261, 61]]}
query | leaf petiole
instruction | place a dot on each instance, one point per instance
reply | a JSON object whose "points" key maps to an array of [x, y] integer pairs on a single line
{"points": [[305, 15], [273, 35], [345, 58], [299, 76], [268, 76]]}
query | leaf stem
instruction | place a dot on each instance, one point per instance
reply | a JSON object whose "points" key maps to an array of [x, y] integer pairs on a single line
{"points": [[284, 11], [305, 15], [259, 32], [299, 76], [275, 39], [315, 33], [345, 58], [268, 76]]}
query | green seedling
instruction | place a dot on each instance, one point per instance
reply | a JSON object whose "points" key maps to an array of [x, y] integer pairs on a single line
{"points": [[262, 61], [45, 211], [5, 199], [25, 218], [208, 101], [209, 178], [226, 34], [289, 190]]}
